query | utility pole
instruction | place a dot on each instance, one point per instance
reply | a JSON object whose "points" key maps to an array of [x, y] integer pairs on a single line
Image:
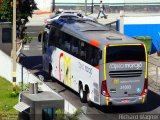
{"points": [[92, 7], [14, 37], [85, 7]]}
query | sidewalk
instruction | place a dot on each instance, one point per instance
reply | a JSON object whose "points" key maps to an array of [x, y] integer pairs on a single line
{"points": [[38, 19], [154, 72]]}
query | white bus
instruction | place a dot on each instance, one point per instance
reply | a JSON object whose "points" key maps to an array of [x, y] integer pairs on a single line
{"points": [[102, 65]]}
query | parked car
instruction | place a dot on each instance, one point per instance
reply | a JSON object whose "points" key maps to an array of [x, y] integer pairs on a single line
{"points": [[78, 13], [61, 16]]}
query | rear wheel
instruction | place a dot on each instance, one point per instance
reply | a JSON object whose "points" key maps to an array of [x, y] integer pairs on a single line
{"points": [[88, 98], [82, 94]]}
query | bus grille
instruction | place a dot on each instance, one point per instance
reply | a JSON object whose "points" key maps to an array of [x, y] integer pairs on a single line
{"points": [[126, 73]]}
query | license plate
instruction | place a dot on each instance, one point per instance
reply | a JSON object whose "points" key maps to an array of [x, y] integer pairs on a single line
{"points": [[125, 101]]}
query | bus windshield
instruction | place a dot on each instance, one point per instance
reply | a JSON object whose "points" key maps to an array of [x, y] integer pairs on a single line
{"points": [[125, 53]]}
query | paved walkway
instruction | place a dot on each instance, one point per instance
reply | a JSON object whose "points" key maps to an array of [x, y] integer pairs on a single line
{"points": [[154, 72]]}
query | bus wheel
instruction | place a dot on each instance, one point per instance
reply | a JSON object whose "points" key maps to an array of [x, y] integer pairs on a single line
{"points": [[90, 104], [82, 94]]}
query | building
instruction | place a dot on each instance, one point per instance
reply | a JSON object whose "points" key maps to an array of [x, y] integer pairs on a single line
{"points": [[111, 5]]}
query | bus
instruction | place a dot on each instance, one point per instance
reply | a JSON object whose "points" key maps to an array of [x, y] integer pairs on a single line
{"points": [[102, 65]]}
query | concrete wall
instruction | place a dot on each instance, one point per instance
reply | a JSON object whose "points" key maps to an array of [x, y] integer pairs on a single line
{"points": [[25, 76], [44, 5], [111, 5], [6, 44]]}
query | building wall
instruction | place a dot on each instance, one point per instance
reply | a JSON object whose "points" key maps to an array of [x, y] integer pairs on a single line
{"points": [[112, 2], [46, 5], [143, 26]]}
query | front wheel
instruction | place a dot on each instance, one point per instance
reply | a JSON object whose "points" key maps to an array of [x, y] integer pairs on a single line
{"points": [[82, 94]]}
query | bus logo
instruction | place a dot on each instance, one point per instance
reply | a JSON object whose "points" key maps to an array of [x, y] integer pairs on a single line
{"points": [[126, 66], [116, 81]]}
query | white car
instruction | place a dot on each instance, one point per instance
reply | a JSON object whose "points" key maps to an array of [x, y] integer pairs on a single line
{"points": [[68, 14], [78, 13], [62, 16]]}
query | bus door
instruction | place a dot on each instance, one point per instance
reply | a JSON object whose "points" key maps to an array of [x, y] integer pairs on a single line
{"points": [[125, 70]]}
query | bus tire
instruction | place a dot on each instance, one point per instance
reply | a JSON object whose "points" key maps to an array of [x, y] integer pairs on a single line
{"points": [[90, 104], [82, 94]]}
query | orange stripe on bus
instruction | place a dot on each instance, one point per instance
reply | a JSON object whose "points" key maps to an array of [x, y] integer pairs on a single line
{"points": [[98, 67], [94, 43]]}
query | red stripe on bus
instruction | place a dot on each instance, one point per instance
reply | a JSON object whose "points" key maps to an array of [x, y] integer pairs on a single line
{"points": [[61, 55], [94, 43]]}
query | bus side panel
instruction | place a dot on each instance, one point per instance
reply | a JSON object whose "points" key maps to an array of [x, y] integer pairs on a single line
{"points": [[70, 70], [89, 76]]}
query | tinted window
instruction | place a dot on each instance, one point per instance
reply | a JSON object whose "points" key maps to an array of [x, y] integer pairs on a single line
{"points": [[125, 53], [74, 46], [6, 35]]}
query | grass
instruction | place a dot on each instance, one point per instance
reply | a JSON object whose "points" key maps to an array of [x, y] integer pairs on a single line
{"points": [[6, 101]]}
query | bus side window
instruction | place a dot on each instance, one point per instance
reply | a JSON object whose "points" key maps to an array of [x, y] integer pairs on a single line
{"points": [[83, 50], [61, 40], [67, 42], [74, 46], [95, 56], [51, 36], [89, 54], [56, 38]]}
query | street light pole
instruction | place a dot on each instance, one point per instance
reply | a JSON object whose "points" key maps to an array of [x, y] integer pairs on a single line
{"points": [[92, 7], [14, 43], [85, 7]]}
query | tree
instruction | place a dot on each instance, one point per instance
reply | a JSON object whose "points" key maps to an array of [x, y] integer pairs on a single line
{"points": [[25, 10]]}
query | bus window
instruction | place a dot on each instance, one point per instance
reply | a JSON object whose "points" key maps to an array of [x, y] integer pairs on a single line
{"points": [[95, 56], [127, 53], [83, 50], [52, 37], [56, 38], [92, 55], [74, 46], [67, 42]]}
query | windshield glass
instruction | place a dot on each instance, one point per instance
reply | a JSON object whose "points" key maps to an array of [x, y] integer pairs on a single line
{"points": [[125, 53]]}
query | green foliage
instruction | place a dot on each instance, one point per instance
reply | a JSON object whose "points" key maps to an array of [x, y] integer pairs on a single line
{"points": [[6, 101], [6, 10], [27, 39], [24, 9], [15, 91], [61, 115]]}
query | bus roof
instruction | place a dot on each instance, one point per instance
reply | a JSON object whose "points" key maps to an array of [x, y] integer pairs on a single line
{"points": [[89, 31]]}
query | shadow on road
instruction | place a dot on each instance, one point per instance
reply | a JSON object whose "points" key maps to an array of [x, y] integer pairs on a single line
{"points": [[35, 63], [32, 62]]}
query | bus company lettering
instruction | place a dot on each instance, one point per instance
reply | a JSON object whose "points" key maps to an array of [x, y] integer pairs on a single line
{"points": [[85, 68], [126, 65]]}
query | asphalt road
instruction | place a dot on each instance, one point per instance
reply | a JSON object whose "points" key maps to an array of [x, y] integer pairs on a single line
{"points": [[32, 60]]}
